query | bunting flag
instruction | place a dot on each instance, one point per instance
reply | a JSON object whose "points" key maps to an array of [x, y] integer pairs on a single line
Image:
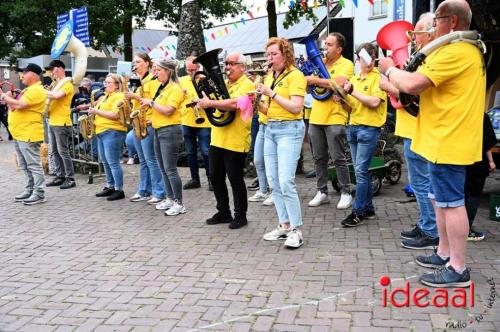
{"points": [[235, 25], [250, 14], [371, 1], [243, 20], [316, 4], [212, 35], [342, 4], [206, 39], [226, 29], [292, 4], [303, 3], [280, 2], [355, 3]]}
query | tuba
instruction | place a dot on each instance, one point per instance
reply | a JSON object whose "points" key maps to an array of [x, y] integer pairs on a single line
{"points": [[87, 122], [214, 87], [138, 119], [314, 66]]}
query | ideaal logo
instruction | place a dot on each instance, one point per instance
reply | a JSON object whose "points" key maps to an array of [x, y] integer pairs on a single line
{"points": [[439, 297]]}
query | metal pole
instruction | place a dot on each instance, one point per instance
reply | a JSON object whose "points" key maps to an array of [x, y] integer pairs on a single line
{"points": [[432, 6]]}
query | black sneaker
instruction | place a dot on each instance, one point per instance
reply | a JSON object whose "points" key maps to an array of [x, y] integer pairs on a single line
{"points": [[34, 199], [446, 277], [23, 196], [105, 192], [411, 234], [475, 235], [370, 215], [68, 183], [352, 220], [421, 242], [433, 261], [238, 222], [192, 184], [254, 185], [220, 218], [116, 195], [56, 182]]}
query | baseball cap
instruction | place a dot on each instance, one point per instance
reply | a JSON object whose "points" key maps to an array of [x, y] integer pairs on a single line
{"points": [[55, 63], [34, 68]]}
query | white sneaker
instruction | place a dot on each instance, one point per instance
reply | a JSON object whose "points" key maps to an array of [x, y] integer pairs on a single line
{"points": [[258, 197], [269, 200], [278, 233], [130, 161], [175, 209], [345, 201], [138, 198], [320, 198], [154, 200], [294, 239], [165, 204]]}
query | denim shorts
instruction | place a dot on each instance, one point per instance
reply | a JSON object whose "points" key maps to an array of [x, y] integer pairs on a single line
{"points": [[447, 185]]}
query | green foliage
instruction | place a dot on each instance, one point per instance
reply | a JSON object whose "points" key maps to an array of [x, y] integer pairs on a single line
{"points": [[28, 27]]}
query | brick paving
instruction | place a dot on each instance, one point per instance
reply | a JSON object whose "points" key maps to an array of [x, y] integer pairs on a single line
{"points": [[79, 263]]}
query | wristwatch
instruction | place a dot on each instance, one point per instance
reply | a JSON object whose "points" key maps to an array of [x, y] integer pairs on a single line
{"points": [[152, 103]]}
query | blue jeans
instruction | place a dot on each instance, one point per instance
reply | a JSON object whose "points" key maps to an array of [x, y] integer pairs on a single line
{"points": [[418, 175], [110, 144], [167, 141], [192, 137], [150, 179], [362, 141], [258, 158], [282, 146], [130, 142]]}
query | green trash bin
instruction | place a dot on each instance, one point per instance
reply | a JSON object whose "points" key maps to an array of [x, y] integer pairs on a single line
{"points": [[495, 207]]}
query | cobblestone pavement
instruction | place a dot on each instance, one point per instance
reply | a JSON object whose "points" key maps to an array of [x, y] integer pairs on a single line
{"points": [[79, 263]]}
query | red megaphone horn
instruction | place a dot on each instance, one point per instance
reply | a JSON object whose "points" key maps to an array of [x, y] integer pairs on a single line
{"points": [[393, 37]]}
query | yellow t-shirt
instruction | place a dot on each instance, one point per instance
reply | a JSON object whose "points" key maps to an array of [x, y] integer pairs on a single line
{"points": [[328, 112], [26, 125], [109, 103], [236, 135], [450, 121], [59, 109], [361, 114], [291, 82], [172, 96], [187, 114], [405, 124], [148, 87]]}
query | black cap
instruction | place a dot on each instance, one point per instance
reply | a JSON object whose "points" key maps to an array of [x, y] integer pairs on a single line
{"points": [[55, 63], [32, 68]]}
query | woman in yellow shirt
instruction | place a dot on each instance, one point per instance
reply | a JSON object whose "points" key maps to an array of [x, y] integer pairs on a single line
{"points": [[150, 178], [166, 121], [368, 115], [285, 88], [110, 136]]}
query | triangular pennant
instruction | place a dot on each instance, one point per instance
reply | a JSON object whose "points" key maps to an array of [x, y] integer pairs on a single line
{"points": [[250, 14], [292, 4], [341, 3], [212, 35], [206, 39], [235, 25], [226, 29], [316, 4], [243, 20], [355, 3], [371, 1]]}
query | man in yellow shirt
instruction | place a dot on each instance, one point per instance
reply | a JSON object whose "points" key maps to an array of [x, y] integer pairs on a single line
{"points": [[229, 147], [60, 127], [425, 234], [327, 127], [26, 126], [452, 85], [196, 130]]}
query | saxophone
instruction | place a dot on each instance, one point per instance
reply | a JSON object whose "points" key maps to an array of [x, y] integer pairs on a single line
{"points": [[124, 109], [138, 119], [87, 122], [259, 79]]}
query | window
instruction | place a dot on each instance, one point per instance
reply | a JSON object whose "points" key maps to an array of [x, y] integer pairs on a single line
{"points": [[379, 9]]}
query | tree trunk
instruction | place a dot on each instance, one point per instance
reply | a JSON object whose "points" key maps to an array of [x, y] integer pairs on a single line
{"points": [[127, 33], [190, 40], [271, 18]]}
